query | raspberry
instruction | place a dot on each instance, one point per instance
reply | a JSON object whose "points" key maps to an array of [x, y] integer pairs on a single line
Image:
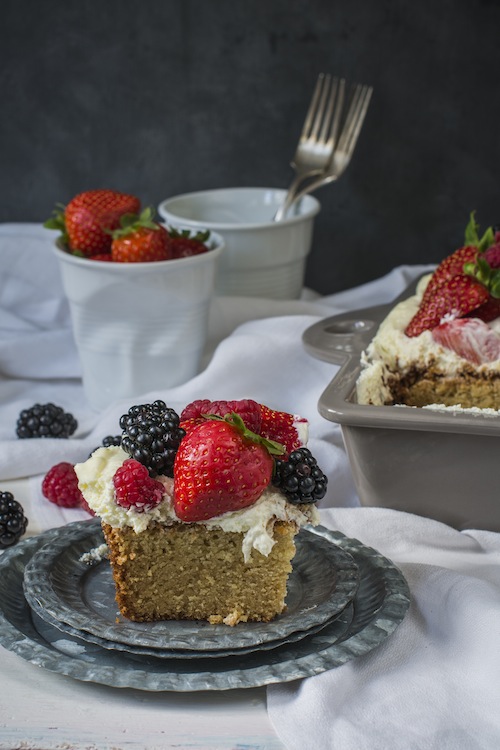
{"points": [[492, 255], [151, 435], [247, 409], [13, 522], [282, 427], [60, 486], [45, 420], [134, 488], [300, 478]]}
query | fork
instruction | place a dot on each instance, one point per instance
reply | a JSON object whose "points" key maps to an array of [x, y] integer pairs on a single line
{"points": [[344, 149], [319, 133]]}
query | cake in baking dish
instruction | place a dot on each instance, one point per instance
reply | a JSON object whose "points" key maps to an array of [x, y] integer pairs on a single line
{"points": [[200, 511], [442, 344]]}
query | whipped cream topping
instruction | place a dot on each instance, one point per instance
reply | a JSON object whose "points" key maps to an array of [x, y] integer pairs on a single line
{"points": [[391, 352], [95, 480]]}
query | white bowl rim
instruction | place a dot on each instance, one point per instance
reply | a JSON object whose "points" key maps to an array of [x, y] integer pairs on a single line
{"points": [[236, 226], [153, 265]]}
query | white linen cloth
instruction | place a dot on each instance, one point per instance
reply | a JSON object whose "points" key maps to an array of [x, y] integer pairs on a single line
{"points": [[434, 683]]}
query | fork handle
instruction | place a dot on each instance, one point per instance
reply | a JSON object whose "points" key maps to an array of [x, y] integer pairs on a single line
{"points": [[291, 195]]}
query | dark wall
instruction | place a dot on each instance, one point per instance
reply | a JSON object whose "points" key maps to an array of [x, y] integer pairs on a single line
{"points": [[159, 97]]}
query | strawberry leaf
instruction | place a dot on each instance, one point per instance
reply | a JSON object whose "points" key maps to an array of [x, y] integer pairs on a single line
{"points": [[272, 447]]}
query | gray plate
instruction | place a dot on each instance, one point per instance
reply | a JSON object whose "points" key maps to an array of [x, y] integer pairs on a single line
{"points": [[324, 580], [380, 604]]}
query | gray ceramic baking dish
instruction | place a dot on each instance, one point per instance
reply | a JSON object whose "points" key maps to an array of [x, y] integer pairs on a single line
{"points": [[433, 463]]}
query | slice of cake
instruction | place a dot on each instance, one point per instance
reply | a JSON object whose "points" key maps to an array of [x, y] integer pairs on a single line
{"points": [[200, 512], [442, 345]]}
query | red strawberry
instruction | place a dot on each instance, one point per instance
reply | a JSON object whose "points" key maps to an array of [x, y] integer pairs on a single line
{"points": [[455, 297], [184, 245], [60, 486], [134, 488], [451, 266], [89, 217], [220, 466], [282, 427], [102, 257], [140, 239], [488, 311], [470, 338], [247, 409]]}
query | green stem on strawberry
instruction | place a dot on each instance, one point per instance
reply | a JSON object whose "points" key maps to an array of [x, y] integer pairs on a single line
{"points": [[472, 235], [273, 448], [130, 223], [58, 222]]}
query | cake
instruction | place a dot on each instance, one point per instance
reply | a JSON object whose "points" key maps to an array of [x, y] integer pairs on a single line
{"points": [[200, 511], [442, 344]]}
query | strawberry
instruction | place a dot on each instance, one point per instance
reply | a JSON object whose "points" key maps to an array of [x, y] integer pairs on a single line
{"points": [[102, 257], [184, 245], [449, 267], [283, 427], [455, 297], [488, 311], [140, 239], [196, 412], [88, 219], [470, 338], [220, 466]]}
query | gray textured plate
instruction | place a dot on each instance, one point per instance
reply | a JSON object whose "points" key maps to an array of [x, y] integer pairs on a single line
{"points": [[324, 580], [380, 605], [345, 618]]}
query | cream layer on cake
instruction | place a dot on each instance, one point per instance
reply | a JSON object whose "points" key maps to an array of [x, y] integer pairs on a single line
{"points": [[392, 354], [256, 523]]}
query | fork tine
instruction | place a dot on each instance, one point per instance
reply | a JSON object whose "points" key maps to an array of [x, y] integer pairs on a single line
{"points": [[312, 107], [324, 136], [321, 108], [338, 111], [355, 118]]}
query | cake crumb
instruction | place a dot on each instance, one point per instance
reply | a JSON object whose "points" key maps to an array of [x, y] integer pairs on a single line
{"points": [[95, 555]]}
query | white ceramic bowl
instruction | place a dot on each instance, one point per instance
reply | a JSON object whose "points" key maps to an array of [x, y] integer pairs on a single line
{"points": [[262, 258], [138, 327]]}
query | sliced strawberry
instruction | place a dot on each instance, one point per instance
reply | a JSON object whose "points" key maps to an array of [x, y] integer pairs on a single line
{"points": [[287, 429], [470, 338], [195, 413], [219, 467], [451, 266], [454, 298]]}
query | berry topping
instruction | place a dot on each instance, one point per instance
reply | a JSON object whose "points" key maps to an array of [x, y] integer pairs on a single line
{"points": [[197, 412], [221, 466], [13, 522], [88, 219], [134, 488], [300, 478], [45, 420], [466, 283], [60, 486], [151, 435], [470, 338], [455, 298], [184, 245], [140, 239], [282, 427]]}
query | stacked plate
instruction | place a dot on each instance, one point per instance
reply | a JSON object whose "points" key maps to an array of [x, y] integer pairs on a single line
{"points": [[57, 610]]}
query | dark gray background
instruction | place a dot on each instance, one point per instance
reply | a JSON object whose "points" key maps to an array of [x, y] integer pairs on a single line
{"points": [[161, 97]]}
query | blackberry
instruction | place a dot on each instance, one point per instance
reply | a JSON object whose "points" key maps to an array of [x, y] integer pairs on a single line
{"points": [[45, 420], [13, 522], [300, 478], [111, 440], [151, 435], [108, 441]]}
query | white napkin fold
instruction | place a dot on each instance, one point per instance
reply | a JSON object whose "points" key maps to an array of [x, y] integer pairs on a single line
{"points": [[434, 683]]}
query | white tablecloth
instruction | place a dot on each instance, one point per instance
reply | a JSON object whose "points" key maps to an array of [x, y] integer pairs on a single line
{"points": [[432, 684]]}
